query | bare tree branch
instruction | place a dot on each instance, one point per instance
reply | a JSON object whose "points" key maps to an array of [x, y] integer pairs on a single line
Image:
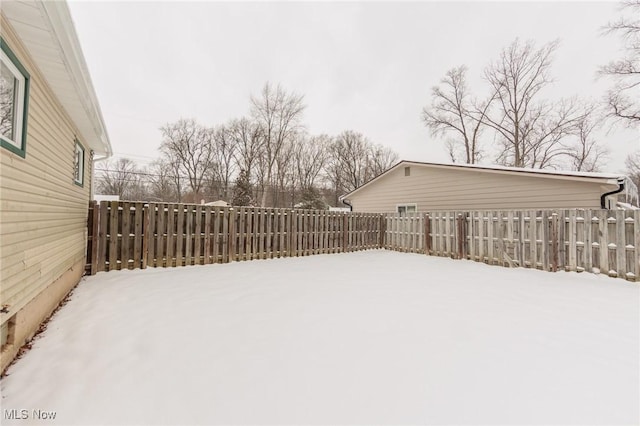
{"points": [[623, 99], [450, 113]]}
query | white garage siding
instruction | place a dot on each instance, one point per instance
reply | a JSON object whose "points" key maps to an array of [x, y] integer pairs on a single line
{"points": [[443, 187]]}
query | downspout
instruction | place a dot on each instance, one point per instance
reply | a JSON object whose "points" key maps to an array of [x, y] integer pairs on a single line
{"points": [[346, 202], [603, 197]]}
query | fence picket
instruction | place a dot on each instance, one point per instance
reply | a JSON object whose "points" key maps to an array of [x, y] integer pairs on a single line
{"points": [[197, 242], [621, 245], [171, 234], [603, 231], [188, 236], [182, 258], [160, 230], [555, 224], [102, 235], [137, 235], [147, 237], [636, 244], [544, 246], [125, 232], [113, 236]]}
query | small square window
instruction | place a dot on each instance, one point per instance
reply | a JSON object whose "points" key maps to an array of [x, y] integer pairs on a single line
{"points": [[407, 171], [405, 209], [78, 165], [14, 96]]}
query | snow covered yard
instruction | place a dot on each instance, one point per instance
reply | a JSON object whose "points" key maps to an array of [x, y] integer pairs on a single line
{"points": [[374, 337]]}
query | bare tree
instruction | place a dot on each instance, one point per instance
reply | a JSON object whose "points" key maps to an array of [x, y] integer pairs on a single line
{"points": [[162, 184], [284, 173], [531, 130], [310, 157], [247, 138], [452, 112], [279, 115], [175, 166], [586, 154], [224, 159], [633, 167], [623, 99], [189, 147], [381, 158], [119, 178], [350, 158]]}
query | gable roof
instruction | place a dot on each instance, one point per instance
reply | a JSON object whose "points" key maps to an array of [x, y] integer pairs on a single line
{"points": [[47, 31], [604, 178]]}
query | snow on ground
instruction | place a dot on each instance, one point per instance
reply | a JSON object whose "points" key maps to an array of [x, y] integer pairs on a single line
{"points": [[370, 337]]}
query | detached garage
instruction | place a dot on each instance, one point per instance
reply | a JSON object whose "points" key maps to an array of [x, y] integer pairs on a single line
{"points": [[411, 186]]}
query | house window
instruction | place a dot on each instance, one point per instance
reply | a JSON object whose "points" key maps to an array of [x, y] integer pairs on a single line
{"points": [[14, 95], [405, 209], [407, 171], [78, 164]]}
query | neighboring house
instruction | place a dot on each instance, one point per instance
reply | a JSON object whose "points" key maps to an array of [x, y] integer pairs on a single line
{"points": [[104, 197], [218, 203], [51, 130], [411, 186]]}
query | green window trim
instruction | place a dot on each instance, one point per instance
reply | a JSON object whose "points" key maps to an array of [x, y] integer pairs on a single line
{"points": [[22, 150], [79, 148]]}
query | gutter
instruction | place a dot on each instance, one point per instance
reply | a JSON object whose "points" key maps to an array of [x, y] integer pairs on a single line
{"points": [[603, 197]]}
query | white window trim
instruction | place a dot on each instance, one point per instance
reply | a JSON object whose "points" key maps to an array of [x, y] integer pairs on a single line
{"points": [[78, 149], [405, 205], [19, 107]]}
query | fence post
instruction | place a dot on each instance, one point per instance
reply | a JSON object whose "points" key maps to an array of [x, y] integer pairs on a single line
{"points": [[292, 226], [102, 235], [636, 243], [459, 237], [113, 235], [554, 242], [345, 232], [465, 232], [232, 235], [94, 238], [145, 236], [383, 230], [427, 231]]}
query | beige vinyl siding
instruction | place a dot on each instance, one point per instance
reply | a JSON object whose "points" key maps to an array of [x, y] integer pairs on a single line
{"points": [[441, 188], [43, 213]]}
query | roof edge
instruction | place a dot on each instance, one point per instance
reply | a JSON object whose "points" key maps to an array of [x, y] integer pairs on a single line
{"points": [[58, 17], [611, 178]]}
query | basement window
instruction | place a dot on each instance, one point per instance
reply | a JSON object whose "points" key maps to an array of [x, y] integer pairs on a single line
{"points": [[7, 333], [406, 209], [78, 165], [14, 96]]}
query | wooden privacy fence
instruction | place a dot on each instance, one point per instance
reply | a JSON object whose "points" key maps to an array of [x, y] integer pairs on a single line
{"points": [[129, 235], [598, 241]]}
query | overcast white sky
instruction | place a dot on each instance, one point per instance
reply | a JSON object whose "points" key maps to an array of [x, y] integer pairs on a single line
{"points": [[367, 67]]}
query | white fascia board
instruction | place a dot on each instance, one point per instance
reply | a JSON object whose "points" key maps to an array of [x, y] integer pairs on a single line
{"points": [[47, 31]]}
